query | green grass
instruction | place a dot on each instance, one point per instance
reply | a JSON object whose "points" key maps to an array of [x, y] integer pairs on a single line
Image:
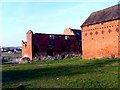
{"points": [[66, 73]]}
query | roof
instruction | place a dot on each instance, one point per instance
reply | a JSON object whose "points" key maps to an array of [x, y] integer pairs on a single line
{"points": [[108, 14], [52, 34], [77, 32]]}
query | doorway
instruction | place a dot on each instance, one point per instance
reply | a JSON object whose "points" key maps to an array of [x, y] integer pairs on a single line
{"points": [[50, 51]]}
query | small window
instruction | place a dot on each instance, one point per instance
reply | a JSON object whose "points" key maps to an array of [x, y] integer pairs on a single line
{"points": [[51, 36], [67, 37]]}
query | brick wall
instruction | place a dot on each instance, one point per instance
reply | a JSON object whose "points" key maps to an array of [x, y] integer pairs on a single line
{"points": [[119, 38], [101, 40], [58, 43], [39, 45], [68, 31], [24, 49], [27, 46]]}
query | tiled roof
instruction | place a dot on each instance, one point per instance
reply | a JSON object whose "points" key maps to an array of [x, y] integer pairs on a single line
{"points": [[108, 14]]}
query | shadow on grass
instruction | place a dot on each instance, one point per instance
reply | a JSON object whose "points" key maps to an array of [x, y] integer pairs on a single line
{"points": [[53, 72]]}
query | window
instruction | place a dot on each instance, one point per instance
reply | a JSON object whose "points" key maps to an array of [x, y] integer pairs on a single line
{"points": [[51, 36], [67, 37]]}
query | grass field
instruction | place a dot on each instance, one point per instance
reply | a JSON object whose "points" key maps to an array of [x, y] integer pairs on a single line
{"points": [[66, 73]]}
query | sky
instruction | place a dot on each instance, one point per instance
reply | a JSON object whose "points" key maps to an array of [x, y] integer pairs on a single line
{"points": [[16, 18]]}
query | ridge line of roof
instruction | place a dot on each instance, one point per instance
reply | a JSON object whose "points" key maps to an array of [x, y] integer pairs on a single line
{"points": [[102, 15]]}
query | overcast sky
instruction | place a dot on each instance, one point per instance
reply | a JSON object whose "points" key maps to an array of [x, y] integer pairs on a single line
{"points": [[16, 18]]}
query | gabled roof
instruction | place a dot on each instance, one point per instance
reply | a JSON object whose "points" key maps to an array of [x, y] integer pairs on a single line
{"points": [[77, 33], [108, 14]]}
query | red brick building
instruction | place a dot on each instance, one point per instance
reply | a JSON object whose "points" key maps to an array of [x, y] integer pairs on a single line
{"points": [[39, 45], [78, 35], [101, 34]]}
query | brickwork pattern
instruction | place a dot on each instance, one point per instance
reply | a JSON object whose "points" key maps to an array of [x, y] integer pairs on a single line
{"points": [[101, 40]]}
